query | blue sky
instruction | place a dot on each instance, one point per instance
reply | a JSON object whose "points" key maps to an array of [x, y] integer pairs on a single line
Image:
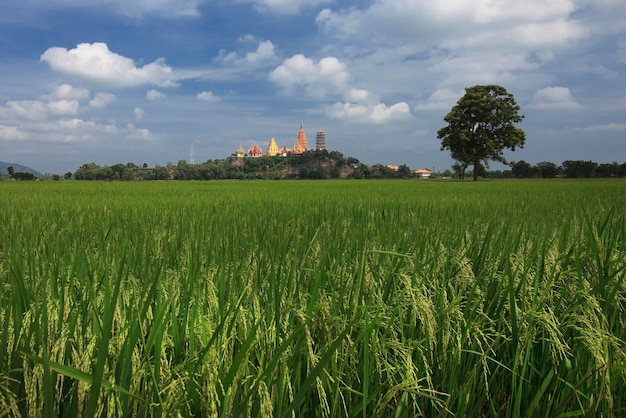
{"points": [[110, 81]]}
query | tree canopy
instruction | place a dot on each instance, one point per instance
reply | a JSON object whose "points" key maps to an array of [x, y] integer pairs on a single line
{"points": [[480, 126]]}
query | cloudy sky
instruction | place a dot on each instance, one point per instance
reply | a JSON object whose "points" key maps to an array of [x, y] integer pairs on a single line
{"points": [[110, 81]]}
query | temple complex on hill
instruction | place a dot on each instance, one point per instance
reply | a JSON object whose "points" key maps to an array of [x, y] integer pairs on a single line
{"points": [[272, 149]]}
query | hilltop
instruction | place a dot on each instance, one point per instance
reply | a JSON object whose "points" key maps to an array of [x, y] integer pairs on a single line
{"points": [[310, 164]]}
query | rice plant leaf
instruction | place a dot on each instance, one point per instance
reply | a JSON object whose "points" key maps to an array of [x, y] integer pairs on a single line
{"points": [[315, 373], [576, 413], [394, 253], [499, 363], [48, 387], [542, 389], [270, 366], [74, 373], [230, 313], [239, 358], [103, 350]]}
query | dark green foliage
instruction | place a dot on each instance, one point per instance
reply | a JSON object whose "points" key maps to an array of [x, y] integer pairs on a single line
{"points": [[380, 171], [522, 170], [578, 168], [19, 175], [607, 170], [547, 170], [405, 172], [23, 176]]}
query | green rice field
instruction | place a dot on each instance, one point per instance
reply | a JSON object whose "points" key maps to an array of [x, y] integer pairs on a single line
{"points": [[313, 299]]}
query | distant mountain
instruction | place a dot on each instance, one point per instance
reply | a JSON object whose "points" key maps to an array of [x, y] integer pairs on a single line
{"points": [[18, 168]]}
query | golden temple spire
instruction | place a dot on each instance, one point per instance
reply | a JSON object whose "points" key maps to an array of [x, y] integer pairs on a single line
{"points": [[272, 148], [301, 144]]}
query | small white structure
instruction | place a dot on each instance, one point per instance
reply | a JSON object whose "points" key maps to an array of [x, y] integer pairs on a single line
{"points": [[423, 173]]}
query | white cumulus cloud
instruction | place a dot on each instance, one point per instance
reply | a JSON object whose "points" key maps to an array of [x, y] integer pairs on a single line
{"points": [[95, 62], [66, 91], [38, 110], [613, 126], [64, 130], [207, 96], [63, 107], [263, 55], [444, 20], [139, 113], [456, 43], [161, 8], [55, 118], [285, 6], [153, 95], [548, 34], [102, 100], [377, 114], [264, 52], [137, 133], [441, 100], [357, 95], [329, 77], [11, 133], [554, 98], [316, 78]]}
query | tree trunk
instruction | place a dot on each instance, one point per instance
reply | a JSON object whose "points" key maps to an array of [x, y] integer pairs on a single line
{"points": [[475, 174]]}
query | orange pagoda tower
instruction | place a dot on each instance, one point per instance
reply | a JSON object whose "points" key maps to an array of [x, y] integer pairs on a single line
{"points": [[301, 144], [272, 148]]}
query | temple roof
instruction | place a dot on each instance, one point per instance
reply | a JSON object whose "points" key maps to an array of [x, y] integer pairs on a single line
{"points": [[255, 151]]}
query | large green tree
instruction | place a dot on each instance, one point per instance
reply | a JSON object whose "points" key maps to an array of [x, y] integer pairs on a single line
{"points": [[481, 125]]}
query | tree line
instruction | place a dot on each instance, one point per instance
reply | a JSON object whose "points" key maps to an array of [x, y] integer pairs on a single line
{"points": [[569, 169], [545, 169], [321, 165], [325, 165]]}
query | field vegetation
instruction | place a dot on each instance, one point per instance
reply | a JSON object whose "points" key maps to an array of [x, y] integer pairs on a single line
{"points": [[310, 298]]}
